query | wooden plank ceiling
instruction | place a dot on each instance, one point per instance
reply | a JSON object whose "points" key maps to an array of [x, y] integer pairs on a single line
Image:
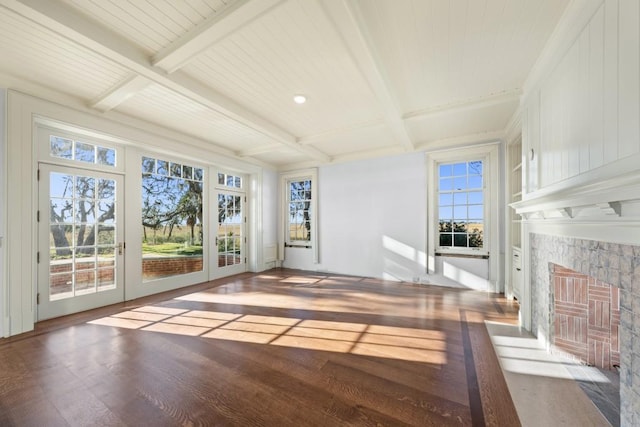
{"points": [[381, 77]]}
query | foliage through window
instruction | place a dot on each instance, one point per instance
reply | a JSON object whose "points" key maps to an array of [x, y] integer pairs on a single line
{"points": [[82, 237], [299, 220], [461, 205], [171, 217], [66, 148]]}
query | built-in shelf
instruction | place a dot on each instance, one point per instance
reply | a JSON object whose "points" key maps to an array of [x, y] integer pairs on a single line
{"points": [[514, 228]]}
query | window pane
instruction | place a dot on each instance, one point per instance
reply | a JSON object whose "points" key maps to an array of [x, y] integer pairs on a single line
{"points": [[85, 152], [187, 172], [475, 197], [176, 170], [237, 182], [445, 240], [460, 198], [475, 181], [475, 168], [148, 165], [445, 226], [106, 156], [446, 184], [475, 240], [446, 170], [460, 183], [162, 167], [446, 212], [460, 169], [171, 218], [460, 212], [475, 211], [61, 147], [197, 174], [460, 240], [446, 199]]}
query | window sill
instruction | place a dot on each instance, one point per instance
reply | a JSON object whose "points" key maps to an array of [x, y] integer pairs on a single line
{"points": [[463, 255], [297, 245]]}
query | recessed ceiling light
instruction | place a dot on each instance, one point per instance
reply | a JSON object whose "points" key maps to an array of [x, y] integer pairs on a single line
{"points": [[299, 99]]}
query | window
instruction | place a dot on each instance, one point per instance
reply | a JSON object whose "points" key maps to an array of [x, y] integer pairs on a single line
{"points": [[171, 218], [67, 148], [461, 205], [299, 222], [230, 181]]}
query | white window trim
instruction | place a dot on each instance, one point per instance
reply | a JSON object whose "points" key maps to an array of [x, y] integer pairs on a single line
{"points": [[285, 178], [490, 155]]}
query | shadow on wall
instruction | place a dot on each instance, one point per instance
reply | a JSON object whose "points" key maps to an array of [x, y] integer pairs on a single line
{"points": [[403, 262], [472, 273]]}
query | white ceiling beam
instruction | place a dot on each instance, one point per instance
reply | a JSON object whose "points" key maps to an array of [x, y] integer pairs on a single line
{"points": [[120, 93], [261, 149], [467, 105], [71, 24], [211, 31], [350, 24]]}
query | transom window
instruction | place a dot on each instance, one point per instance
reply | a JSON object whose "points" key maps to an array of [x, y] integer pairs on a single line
{"points": [[228, 180], [461, 205], [71, 149]]}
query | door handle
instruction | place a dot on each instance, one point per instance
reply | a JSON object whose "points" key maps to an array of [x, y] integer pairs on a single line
{"points": [[120, 248]]}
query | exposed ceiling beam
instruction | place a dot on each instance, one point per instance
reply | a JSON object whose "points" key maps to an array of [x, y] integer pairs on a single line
{"points": [[69, 23], [262, 149], [120, 93], [210, 31], [466, 105], [349, 22]]}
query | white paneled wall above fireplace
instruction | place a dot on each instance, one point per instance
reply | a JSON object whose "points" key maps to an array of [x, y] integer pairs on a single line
{"points": [[580, 114]]}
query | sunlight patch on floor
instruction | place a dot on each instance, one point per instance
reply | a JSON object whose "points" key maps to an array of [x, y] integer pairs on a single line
{"points": [[418, 345]]}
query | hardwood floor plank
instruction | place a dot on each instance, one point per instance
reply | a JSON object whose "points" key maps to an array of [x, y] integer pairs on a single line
{"points": [[280, 348]]}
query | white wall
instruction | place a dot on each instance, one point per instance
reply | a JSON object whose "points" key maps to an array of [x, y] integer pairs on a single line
{"points": [[373, 222], [373, 217], [3, 208], [581, 114]]}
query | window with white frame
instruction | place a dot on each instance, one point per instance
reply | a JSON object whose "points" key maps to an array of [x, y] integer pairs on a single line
{"points": [[461, 205], [299, 219], [464, 203]]}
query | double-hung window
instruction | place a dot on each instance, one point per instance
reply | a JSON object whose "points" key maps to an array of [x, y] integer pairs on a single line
{"points": [[299, 208], [461, 219], [463, 202]]}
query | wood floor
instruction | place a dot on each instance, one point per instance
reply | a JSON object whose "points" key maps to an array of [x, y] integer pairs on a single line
{"points": [[282, 348]]}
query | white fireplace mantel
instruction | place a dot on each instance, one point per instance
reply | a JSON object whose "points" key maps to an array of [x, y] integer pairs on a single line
{"points": [[612, 200]]}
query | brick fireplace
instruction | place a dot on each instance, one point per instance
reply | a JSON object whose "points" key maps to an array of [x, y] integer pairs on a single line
{"points": [[601, 263], [585, 318]]}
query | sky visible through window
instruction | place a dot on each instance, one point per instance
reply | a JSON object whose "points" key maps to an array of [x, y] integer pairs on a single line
{"points": [[461, 204]]}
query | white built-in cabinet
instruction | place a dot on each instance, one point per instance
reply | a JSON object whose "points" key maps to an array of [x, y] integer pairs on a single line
{"points": [[514, 221]]}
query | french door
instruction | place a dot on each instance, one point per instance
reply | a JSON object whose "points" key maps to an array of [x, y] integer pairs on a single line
{"points": [[80, 258], [230, 240]]}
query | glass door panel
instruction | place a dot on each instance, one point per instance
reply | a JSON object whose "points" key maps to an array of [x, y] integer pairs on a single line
{"points": [[80, 257], [230, 238]]}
